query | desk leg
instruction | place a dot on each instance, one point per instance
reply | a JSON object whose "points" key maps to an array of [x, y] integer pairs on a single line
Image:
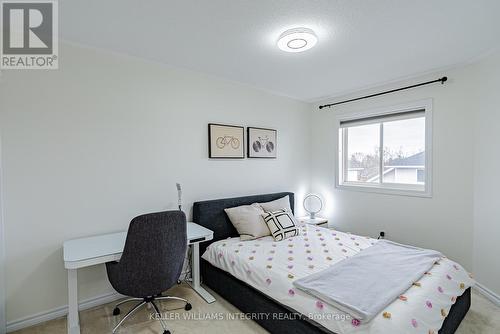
{"points": [[73, 321], [195, 269]]}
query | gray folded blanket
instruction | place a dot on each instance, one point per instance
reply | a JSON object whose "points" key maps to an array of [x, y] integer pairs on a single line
{"points": [[363, 285]]}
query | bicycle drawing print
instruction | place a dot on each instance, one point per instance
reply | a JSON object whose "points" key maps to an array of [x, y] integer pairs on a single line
{"points": [[263, 142], [224, 141]]}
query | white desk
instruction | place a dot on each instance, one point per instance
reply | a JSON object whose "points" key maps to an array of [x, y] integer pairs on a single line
{"points": [[80, 253]]}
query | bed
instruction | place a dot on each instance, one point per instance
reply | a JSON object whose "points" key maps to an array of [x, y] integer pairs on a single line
{"points": [[248, 298]]}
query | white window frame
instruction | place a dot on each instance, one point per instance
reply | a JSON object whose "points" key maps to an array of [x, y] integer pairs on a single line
{"points": [[386, 188]]}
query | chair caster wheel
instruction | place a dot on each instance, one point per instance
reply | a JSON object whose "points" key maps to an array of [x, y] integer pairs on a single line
{"points": [[188, 307], [116, 311], [166, 332], [179, 281]]}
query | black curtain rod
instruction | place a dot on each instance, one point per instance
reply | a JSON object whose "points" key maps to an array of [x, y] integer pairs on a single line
{"points": [[442, 80]]}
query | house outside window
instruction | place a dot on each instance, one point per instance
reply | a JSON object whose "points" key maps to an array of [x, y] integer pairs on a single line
{"points": [[387, 150]]}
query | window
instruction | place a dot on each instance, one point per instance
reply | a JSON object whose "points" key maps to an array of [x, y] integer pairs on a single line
{"points": [[421, 176], [386, 151]]}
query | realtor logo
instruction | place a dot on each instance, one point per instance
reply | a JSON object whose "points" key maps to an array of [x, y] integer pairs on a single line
{"points": [[29, 35]]}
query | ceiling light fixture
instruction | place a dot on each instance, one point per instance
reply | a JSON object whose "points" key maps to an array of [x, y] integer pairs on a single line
{"points": [[297, 40]]}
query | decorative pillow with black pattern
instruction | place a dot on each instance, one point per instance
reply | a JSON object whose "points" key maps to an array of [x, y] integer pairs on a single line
{"points": [[282, 224]]}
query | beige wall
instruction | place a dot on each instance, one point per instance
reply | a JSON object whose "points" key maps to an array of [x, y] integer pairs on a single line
{"points": [[487, 174], [105, 138], [461, 218], [2, 252], [436, 222]]}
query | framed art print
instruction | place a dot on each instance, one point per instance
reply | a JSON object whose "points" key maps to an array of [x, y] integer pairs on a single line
{"points": [[261, 143], [226, 141]]}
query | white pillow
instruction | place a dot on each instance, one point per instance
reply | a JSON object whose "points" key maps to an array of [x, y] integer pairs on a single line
{"points": [[248, 221], [282, 224], [279, 204]]}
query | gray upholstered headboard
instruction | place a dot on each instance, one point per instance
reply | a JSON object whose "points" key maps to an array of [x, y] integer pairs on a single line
{"points": [[211, 213]]}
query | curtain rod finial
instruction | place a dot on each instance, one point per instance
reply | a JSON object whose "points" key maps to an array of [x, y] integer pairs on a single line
{"points": [[444, 79]]}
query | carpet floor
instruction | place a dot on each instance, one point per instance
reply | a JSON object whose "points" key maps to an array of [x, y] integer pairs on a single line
{"points": [[482, 318]]}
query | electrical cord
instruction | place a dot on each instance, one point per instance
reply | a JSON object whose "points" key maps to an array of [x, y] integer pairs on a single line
{"points": [[187, 273]]}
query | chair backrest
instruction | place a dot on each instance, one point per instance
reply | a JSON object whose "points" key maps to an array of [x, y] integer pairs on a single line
{"points": [[154, 252]]}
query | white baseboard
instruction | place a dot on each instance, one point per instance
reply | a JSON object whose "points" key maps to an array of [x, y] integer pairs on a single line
{"points": [[59, 312], [490, 295], [110, 297]]}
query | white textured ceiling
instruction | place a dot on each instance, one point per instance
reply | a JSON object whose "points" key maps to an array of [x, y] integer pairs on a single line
{"points": [[361, 42]]}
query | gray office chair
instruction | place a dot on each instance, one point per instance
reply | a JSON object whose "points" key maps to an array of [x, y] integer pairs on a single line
{"points": [[151, 261]]}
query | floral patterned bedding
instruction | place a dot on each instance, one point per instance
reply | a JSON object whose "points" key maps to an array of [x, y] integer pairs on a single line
{"points": [[271, 267]]}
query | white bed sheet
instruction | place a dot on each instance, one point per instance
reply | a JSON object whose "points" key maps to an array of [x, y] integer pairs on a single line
{"points": [[271, 267]]}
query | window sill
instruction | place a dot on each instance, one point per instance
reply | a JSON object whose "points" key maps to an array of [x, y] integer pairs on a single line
{"points": [[403, 191]]}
